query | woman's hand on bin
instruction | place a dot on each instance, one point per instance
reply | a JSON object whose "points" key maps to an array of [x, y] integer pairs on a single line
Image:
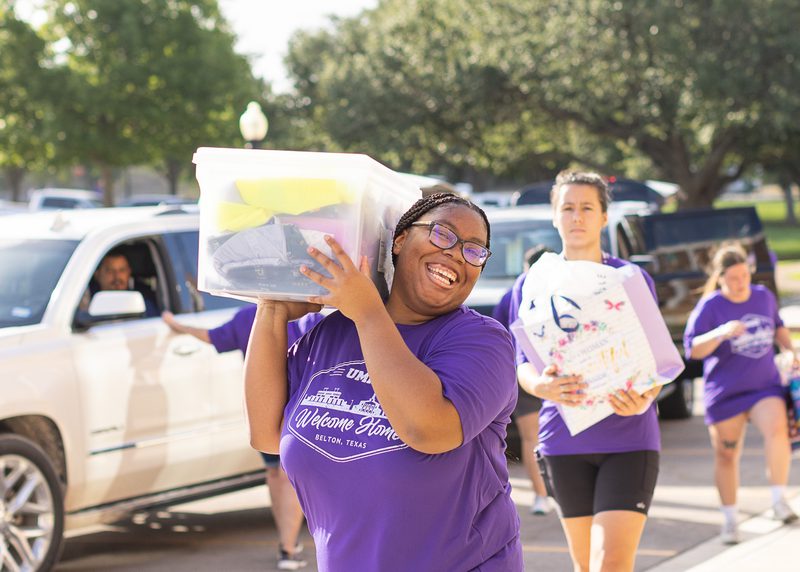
{"points": [[350, 289]]}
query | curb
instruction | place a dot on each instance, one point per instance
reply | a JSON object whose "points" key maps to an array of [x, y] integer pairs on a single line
{"points": [[766, 543]]}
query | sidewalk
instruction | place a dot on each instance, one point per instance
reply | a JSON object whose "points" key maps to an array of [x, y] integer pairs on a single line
{"points": [[767, 545]]}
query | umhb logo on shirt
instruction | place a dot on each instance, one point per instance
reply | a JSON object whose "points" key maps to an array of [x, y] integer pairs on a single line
{"points": [[757, 340], [338, 415]]}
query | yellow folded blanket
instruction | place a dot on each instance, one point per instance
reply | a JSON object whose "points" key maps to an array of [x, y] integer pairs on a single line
{"points": [[263, 198]]}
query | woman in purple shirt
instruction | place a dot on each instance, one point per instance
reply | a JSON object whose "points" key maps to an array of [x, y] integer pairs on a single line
{"points": [[602, 478], [733, 330], [392, 416]]}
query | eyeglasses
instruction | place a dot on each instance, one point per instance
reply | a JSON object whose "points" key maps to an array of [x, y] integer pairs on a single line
{"points": [[444, 238]]}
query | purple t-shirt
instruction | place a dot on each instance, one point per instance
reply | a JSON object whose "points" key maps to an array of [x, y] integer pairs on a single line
{"points": [[372, 502], [615, 433], [500, 311], [235, 333], [741, 371]]}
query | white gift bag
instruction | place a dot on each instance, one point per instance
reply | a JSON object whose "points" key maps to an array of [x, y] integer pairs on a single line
{"points": [[597, 321]]}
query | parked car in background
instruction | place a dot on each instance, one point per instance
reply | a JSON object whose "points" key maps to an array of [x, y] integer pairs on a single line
{"points": [[103, 410], [11, 207], [428, 184], [52, 198], [153, 200], [622, 190], [516, 229], [492, 198]]}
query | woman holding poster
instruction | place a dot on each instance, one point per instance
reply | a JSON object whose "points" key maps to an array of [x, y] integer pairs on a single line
{"points": [[733, 330], [603, 477], [393, 415]]}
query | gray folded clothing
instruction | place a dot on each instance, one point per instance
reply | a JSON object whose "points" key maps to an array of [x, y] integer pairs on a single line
{"points": [[267, 259]]}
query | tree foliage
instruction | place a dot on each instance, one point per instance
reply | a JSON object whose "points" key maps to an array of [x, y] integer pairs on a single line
{"points": [[686, 83], [25, 116], [680, 87], [405, 82], [148, 81]]}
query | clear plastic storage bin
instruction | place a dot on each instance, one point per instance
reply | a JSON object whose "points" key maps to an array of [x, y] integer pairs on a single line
{"points": [[260, 210]]}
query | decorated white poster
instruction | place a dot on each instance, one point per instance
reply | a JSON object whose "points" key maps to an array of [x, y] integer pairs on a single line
{"points": [[598, 322]]}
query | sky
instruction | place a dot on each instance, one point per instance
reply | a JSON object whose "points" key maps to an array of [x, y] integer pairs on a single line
{"points": [[263, 28]]}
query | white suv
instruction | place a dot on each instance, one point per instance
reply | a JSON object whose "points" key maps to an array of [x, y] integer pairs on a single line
{"points": [[52, 199], [105, 411]]}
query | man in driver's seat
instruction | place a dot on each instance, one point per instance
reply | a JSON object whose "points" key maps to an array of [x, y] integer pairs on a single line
{"points": [[114, 273]]}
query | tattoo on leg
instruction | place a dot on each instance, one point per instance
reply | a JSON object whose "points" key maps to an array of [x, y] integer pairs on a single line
{"points": [[728, 444]]}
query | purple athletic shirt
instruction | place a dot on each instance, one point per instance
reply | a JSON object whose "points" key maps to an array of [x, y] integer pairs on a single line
{"points": [[500, 311], [615, 433], [235, 333], [741, 371], [372, 502]]}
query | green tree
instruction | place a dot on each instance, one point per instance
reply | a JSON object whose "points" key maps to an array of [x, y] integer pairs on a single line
{"points": [[685, 83], [25, 116], [148, 82], [200, 85], [780, 158], [675, 88], [405, 83]]}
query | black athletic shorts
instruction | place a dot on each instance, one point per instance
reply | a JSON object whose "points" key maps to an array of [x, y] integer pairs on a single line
{"points": [[584, 485]]}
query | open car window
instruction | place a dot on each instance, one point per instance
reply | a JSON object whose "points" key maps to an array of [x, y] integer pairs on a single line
{"points": [[148, 275]]}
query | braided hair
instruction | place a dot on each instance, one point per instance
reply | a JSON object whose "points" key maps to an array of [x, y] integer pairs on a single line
{"points": [[427, 204]]}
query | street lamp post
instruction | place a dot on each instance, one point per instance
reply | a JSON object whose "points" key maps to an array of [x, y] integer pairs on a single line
{"points": [[253, 125]]}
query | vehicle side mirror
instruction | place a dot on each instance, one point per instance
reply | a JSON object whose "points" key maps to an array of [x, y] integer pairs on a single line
{"points": [[116, 303], [108, 305]]}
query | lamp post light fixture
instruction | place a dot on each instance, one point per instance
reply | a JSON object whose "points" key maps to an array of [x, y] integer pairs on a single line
{"points": [[253, 125]]}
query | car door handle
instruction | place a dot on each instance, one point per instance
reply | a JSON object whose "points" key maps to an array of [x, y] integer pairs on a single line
{"points": [[186, 349]]}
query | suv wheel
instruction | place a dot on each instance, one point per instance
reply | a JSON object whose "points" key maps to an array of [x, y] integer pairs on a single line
{"points": [[31, 507], [679, 404]]}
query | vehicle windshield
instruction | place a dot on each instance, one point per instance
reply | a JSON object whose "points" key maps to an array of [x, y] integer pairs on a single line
{"points": [[30, 270], [510, 241]]}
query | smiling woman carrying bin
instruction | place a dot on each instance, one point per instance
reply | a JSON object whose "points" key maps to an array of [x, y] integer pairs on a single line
{"points": [[391, 418]]}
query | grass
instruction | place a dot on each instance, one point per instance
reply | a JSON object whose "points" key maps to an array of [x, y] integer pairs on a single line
{"points": [[784, 239]]}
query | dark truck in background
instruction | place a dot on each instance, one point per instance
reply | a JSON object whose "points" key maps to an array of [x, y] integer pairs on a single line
{"points": [[673, 248]]}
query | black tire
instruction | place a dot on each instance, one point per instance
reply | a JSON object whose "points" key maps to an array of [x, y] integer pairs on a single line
{"points": [[31, 479], [679, 403]]}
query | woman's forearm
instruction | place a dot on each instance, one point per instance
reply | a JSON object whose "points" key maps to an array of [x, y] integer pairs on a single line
{"points": [[410, 393], [529, 379], [199, 333], [704, 345], [265, 382]]}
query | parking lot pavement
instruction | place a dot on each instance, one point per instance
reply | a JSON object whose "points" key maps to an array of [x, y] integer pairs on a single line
{"points": [[232, 532]]}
